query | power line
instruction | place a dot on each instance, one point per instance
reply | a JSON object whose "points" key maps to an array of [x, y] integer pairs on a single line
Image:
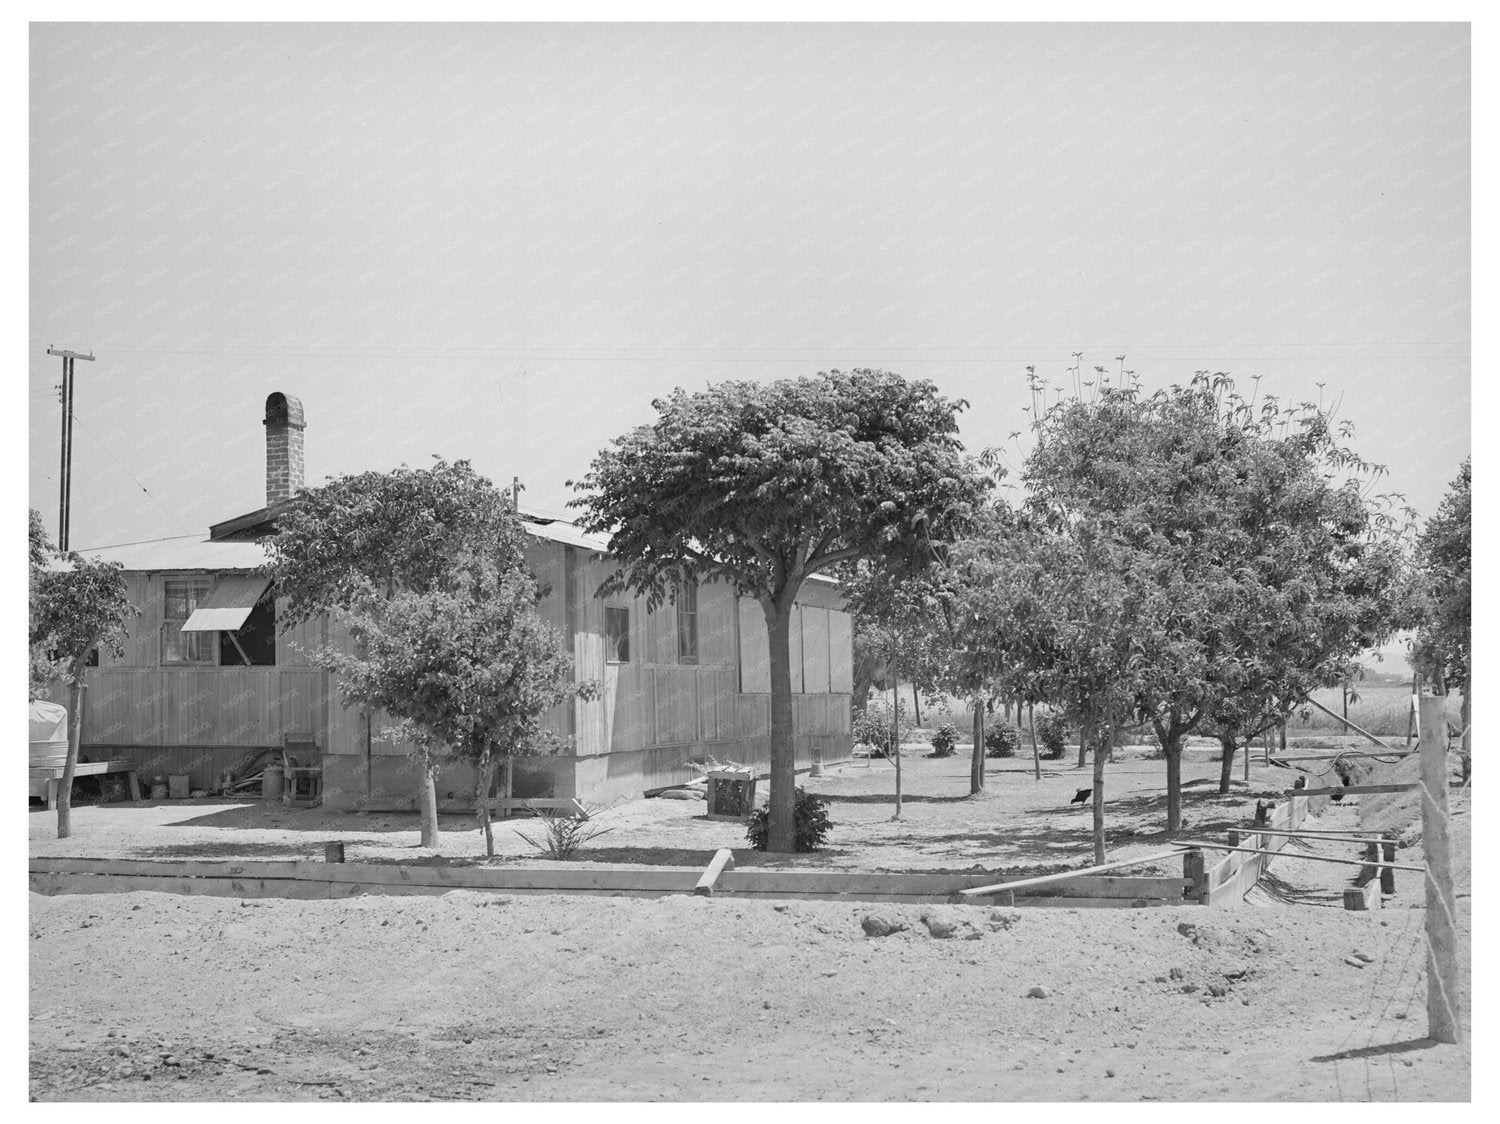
{"points": [[127, 472]]}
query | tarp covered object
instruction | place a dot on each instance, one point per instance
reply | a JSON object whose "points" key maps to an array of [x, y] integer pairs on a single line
{"points": [[49, 735]]}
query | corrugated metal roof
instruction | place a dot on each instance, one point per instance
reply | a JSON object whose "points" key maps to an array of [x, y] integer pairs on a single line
{"points": [[228, 603], [184, 552]]}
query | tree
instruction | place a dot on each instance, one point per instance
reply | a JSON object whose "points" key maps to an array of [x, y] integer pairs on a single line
{"points": [[1443, 643], [360, 541], [470, 668], [75, 609], [765, 485]]}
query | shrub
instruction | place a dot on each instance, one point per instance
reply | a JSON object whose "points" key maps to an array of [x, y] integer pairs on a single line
{"points": [[561, 834], [1052, 732], [945, 740], [810, 823], [873, 728], [1002, 741]]}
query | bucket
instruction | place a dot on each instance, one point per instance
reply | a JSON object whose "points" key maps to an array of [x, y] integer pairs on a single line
{"points": [[272, 782]]}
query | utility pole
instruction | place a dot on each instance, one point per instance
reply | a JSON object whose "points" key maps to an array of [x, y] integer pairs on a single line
{"points": [[1442, 947], [65, 485]]}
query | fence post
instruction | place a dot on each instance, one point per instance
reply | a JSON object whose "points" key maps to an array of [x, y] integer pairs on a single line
{"points": [[1442, 956], [1193, 871], [1388, 855]]}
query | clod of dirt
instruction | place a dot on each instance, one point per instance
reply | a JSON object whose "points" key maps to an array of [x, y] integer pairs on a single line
{"points": [[880, 925], [1353, 963], [1003, 919], [1362, 956], [942, 928], [1189, 988], [1218, 990], [1175, 974], [1039, 992]]}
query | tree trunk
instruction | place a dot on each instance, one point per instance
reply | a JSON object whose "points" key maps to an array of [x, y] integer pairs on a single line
{"points": [[896, 733], [781, 837], [1036, 750], [427, 803], [1172, 747], [976, 763], [916, 705], [1226, 766], [482, 801], [1086, 734], [1099, 757], [75, 736]]}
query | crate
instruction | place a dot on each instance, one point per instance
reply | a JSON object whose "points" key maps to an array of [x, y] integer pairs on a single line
{"points": [[731, 794]]}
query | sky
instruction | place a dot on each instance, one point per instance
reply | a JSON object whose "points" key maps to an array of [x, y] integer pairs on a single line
{"points": [[499, 242]]}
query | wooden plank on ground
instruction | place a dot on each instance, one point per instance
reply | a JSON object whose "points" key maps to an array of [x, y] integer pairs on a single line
{"points": [[1011, 887], [1362, 897], [1353, 789], [758, 880], [723, 859], [600, 877]]}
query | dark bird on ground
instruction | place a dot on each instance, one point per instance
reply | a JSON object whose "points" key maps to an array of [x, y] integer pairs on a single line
{"points": [[1300, 782], [1081, 796]]}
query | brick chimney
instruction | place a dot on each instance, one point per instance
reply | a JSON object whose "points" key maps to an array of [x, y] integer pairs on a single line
{"points": [[284, 468]]}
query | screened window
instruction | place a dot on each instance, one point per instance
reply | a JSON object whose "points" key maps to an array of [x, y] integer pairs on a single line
{"points": [[617, 635], [687, 622], [182, 597]]}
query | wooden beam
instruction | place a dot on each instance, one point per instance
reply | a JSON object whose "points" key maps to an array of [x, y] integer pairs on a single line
{"points": [[1294, 855], [1352, 726], [723, 859], [1352, 790], [1010, 887], [1362, 897], [1346, 753], [1330, 836]]}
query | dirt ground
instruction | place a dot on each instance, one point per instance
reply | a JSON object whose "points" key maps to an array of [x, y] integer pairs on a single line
{"points": [[472, 996]]}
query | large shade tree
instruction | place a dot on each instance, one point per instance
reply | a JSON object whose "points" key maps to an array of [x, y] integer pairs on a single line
{"points": [[363, 541], [764, 485], [77, 606]]}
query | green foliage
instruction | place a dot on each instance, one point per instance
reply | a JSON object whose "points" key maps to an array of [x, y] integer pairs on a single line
{"points": [[76, 604], [873, 728], [1052, 736], [1443, 642], [1001, 740], [362, 538], [426, 568], [811, 824], [765, 484], [945, 740], [561, 835]]}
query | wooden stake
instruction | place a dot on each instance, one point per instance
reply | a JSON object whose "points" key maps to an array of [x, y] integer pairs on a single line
{"points": [[1442, 945]]}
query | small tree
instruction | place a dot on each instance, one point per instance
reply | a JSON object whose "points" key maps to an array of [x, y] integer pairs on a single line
{"points": [[470, 669], [1443, 644], [765, 485], [361, 540], [75, 609]]}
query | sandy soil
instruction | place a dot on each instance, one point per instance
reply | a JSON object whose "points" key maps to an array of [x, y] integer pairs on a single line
{"points": [[149, 996]]}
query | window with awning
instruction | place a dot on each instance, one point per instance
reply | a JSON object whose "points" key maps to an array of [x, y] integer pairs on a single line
{"points": [[240, 609]]}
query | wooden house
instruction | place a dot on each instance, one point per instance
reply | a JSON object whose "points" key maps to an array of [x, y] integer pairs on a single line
{"points": [[207, 678]]}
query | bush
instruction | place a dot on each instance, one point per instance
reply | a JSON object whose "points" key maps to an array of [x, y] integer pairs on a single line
{"points": [[1002, 741], [1052, 732], [873, 728], [810, 823], [561, 834], [945, 740]]}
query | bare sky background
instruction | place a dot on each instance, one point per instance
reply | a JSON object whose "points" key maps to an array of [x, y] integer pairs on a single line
{"points": [[499, 242]]}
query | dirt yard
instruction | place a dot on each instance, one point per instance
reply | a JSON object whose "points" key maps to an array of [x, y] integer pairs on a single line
{"points": [[471, 996]]}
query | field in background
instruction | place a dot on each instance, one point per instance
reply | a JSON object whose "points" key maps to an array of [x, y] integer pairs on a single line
{"points": [[1380, 709]]}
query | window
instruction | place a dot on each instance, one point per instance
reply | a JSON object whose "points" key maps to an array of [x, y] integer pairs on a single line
{"points": [[617, 635], [181, 598], [687, 622]]}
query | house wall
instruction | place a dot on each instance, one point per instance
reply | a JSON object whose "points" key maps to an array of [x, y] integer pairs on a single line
{"points": [[653, 713]]}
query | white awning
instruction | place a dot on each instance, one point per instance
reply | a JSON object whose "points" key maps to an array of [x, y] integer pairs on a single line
{"points": [[228, 603]]}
